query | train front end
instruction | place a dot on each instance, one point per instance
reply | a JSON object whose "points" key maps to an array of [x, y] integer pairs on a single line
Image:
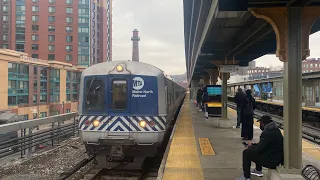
{"points": [[122, 118]]}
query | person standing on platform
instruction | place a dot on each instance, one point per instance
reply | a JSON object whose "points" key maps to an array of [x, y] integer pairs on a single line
{"points": [[248, 111], [205, 98], [239, 100], [199, 98]]}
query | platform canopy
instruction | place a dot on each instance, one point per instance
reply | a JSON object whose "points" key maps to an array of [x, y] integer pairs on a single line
{"points": [[226, 29]]}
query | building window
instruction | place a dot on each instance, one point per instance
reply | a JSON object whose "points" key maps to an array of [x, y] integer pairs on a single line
{"points": [[83, 20], [51, 38], [68, 28], [20, 37], [83, 2], [69, 19], [52, 9], [51, 19], [5, 18], [54, 85], [5, 37], [25, 117], [35, 1], [69, 57], [35, 46], [20, 8], [69, 48], [51, 28], [83, 39], [35, 99], [35, 27], [20, 47], [68, 1], [35, 115], [51, 47], [83, 30], [5, 46], [35, 56], [35, 8], [69, 38], [43, 114], [52, 1], [35, 37], [18, 82], [5, 8], [68, 10], [51, 56], [43, 98], [35, 18]]}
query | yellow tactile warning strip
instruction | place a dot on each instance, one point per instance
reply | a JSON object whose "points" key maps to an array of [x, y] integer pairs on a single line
{"points": [[308, 148], [183, 162], [205, 146], [280, 104]]}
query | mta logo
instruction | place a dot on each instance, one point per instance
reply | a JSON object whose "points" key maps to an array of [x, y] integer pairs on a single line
{"points": [[138, 83]]}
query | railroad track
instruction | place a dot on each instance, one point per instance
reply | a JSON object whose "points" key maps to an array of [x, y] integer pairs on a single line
{"points": [[308, 132], [105, 174]]}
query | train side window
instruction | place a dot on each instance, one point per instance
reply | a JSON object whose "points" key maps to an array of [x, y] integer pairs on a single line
{"points": [[119, 95], [95, 94]]}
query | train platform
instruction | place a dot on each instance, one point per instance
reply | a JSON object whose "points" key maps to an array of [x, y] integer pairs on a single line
{"points": [[197, 150], [280, 103]]}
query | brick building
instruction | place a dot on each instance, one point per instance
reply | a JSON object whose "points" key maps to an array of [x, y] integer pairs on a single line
{"points": [[77, 32]]}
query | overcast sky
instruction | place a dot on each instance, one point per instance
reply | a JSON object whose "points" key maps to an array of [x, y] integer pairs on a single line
{"points": [[160, 25]]}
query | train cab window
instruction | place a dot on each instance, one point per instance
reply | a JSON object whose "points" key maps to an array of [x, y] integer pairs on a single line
{"points": [[94, 94], [119, 95]]}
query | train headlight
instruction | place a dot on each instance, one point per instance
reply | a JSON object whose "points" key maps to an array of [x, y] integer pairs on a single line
{"points": [[95, 123], [119, 68], [143, 123]]}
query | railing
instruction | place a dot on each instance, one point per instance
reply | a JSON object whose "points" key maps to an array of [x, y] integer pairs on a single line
{"points": [[24, 137]]}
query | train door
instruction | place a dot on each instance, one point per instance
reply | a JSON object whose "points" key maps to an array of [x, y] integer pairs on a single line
{"points": [[119, 105]]}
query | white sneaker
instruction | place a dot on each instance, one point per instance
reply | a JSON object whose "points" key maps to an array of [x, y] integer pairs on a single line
{"points": [[257, 173]]}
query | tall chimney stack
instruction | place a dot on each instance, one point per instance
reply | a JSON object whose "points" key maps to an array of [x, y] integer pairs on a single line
{"points": [[135, 45]]}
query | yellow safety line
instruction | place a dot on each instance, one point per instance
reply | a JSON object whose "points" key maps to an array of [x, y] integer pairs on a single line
{"points": [[205, 146], [280, 104], [308, 148], [183, 161]]}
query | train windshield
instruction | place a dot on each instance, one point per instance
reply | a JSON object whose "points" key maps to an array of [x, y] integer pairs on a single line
{"points": [[95, 94], [119, 95]]}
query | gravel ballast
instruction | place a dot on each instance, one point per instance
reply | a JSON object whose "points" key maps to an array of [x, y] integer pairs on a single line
{"points": [[47, 165]]}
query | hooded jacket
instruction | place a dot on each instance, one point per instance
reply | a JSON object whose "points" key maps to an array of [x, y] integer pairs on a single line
{"points": [[270, 146]]}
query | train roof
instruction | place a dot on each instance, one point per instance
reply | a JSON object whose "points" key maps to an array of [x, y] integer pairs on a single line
{"points": [[8, 117], [136, 68]]}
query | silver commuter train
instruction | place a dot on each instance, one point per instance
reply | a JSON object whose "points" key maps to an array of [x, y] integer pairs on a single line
{"points": [[125, 108]]}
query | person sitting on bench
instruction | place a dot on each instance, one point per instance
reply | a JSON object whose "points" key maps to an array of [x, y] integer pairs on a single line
{"points": [[267, 153]]}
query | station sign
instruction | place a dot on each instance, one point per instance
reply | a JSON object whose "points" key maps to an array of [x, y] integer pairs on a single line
{"points": [[26, 58], [229, 68]]}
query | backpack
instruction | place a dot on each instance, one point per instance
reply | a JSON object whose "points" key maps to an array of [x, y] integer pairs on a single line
{"points": [[248, 108]]}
